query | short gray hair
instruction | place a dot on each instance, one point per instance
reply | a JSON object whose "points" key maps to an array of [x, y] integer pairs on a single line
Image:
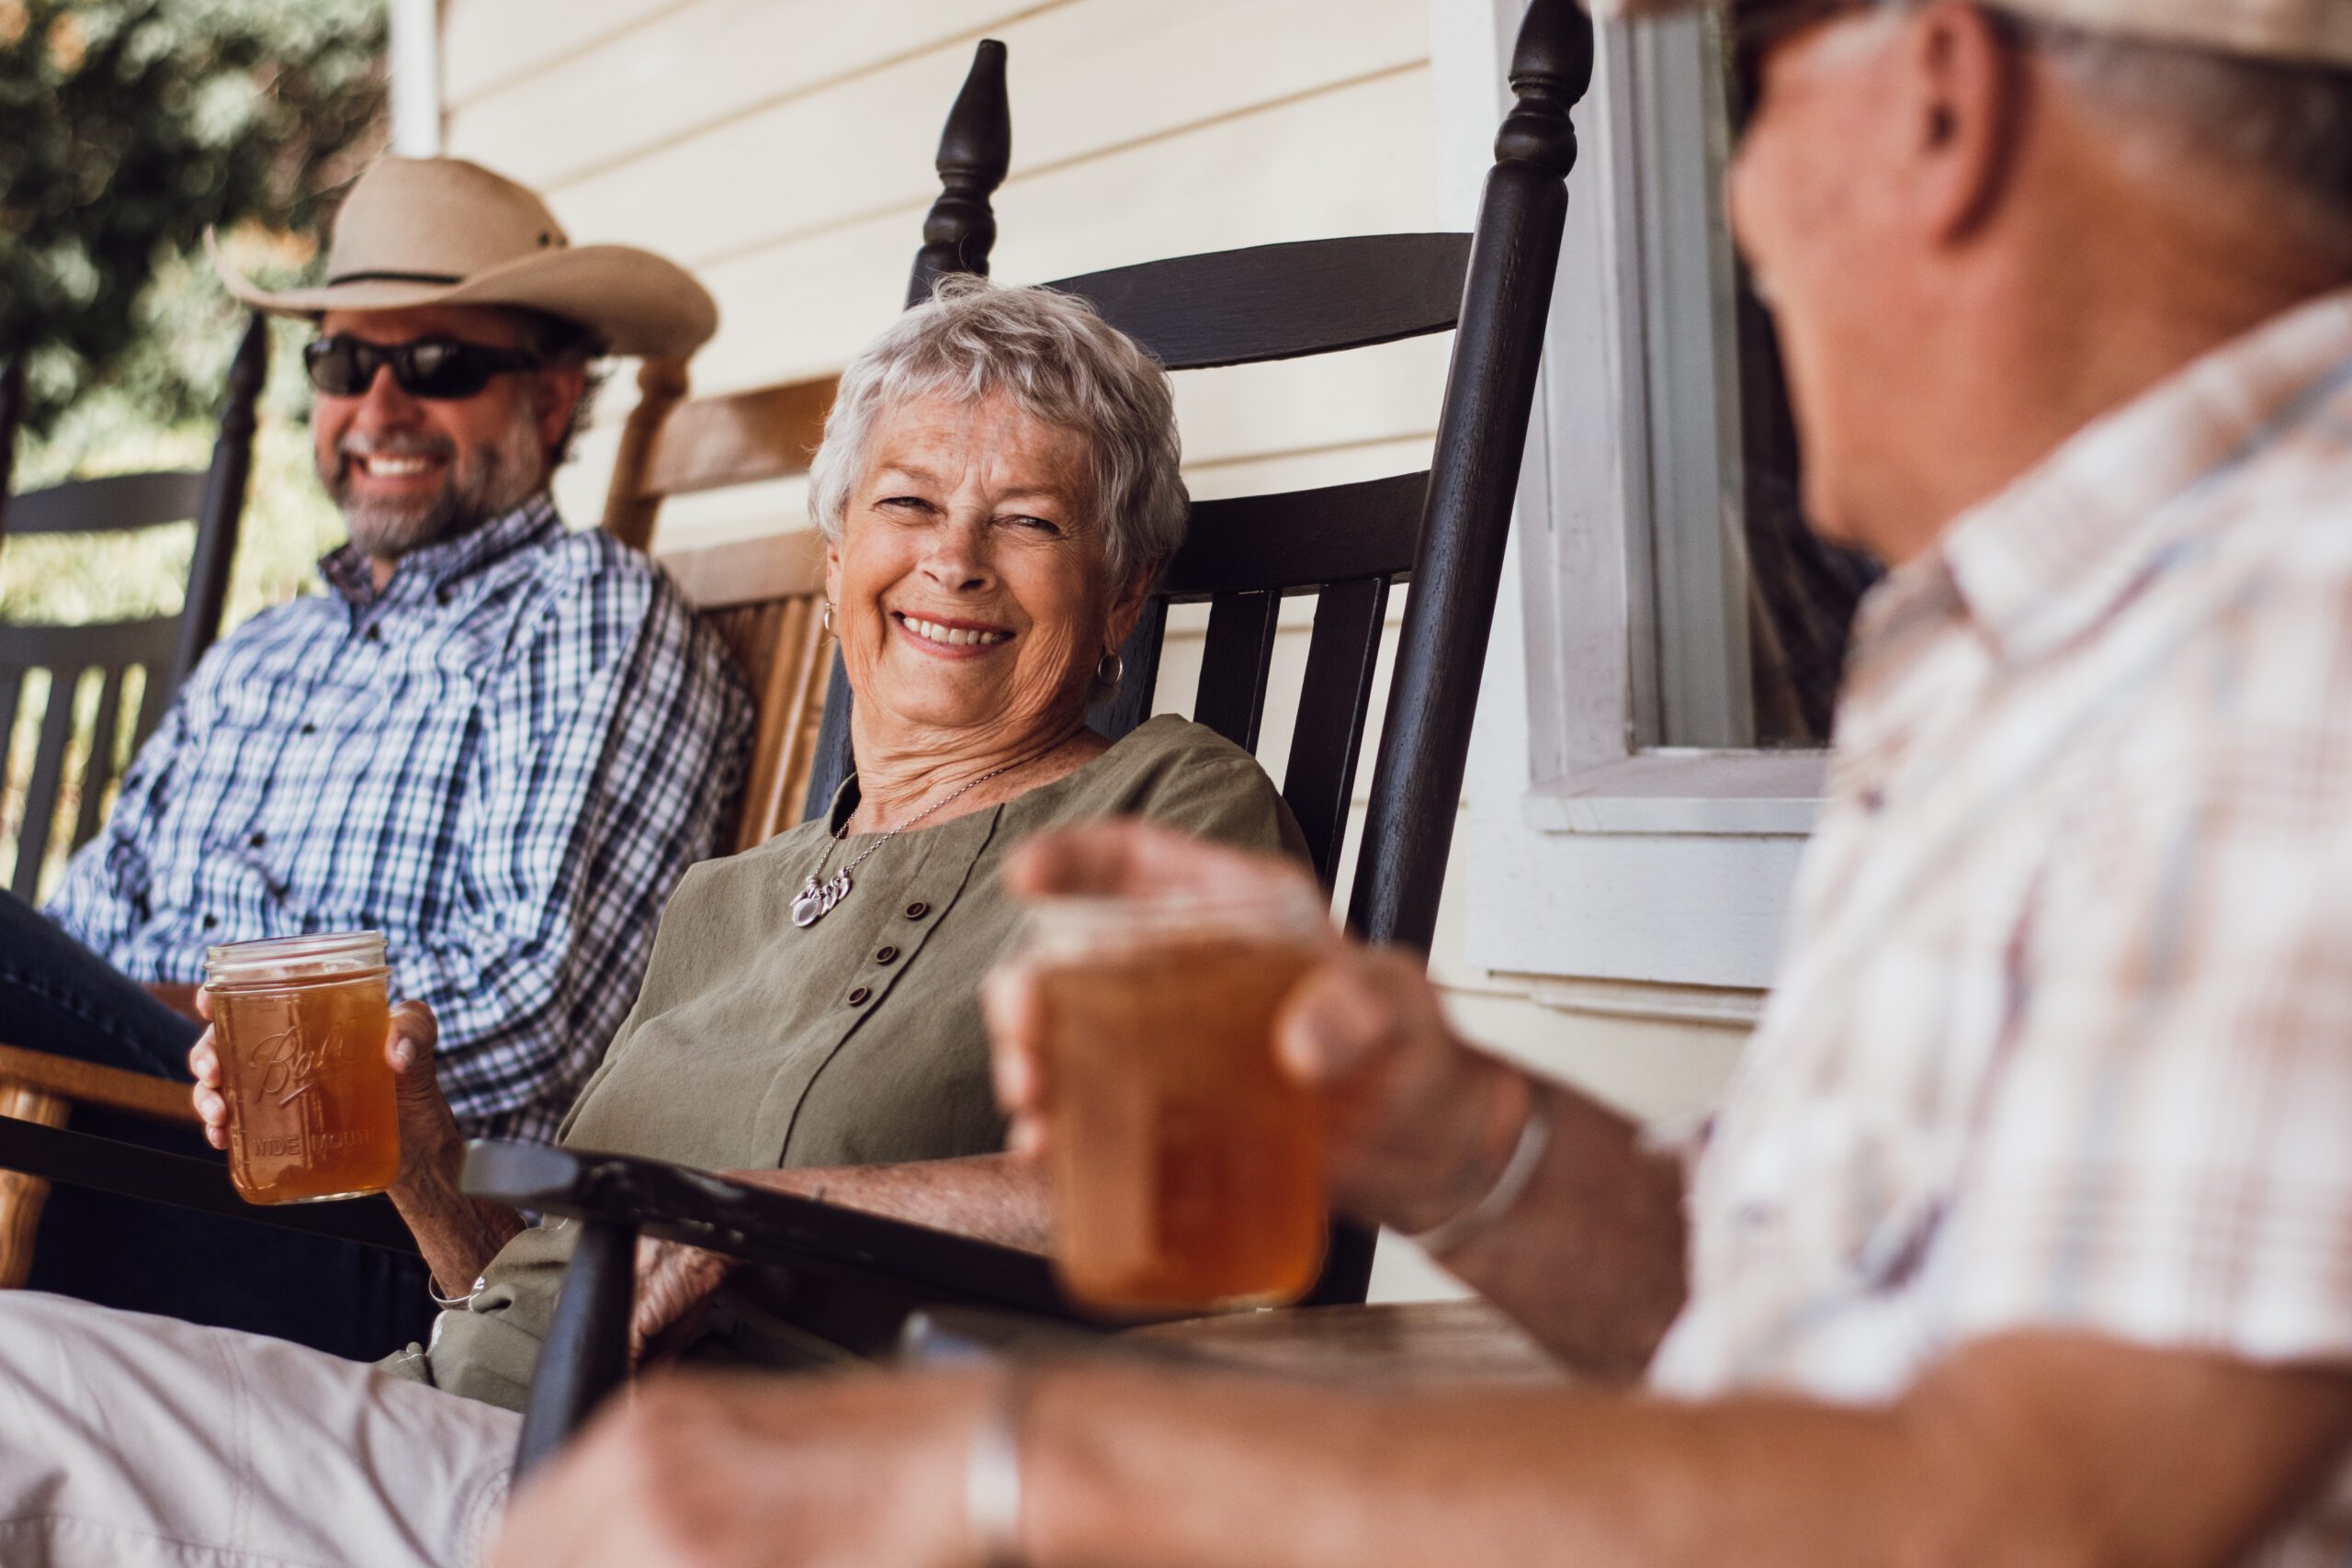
{"points": [[2292, 122], [1061, 364]]}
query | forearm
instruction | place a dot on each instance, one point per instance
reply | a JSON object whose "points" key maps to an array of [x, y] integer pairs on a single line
{"points": [[458, 1234], [2040, 1451], [1150, 1472], [996, 1198], [1590, 1258]]}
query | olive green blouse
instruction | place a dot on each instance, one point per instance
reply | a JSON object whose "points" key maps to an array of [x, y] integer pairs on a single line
{"points": [[856, 1040]]}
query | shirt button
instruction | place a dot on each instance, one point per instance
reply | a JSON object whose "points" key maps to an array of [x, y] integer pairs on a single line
{"points": [[858, 996], [212, 920], [886, 955], [918, 910], [309, 729], [258, 840], [375, 634]]}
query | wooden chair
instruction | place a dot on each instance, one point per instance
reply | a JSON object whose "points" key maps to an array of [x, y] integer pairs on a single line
{"points": [[1445, 531], [763, 597], [161, 650]]}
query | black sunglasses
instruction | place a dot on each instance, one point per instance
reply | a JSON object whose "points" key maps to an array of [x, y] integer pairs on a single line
{"points": [[1753, 28], [438, 367]]}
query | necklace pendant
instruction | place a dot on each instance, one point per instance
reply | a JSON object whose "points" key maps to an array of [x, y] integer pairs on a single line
{"points": [[817, 900]]}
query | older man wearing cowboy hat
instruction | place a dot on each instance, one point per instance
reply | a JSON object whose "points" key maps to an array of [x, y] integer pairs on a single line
{"points": [[2024, 1234], [496, 741]]}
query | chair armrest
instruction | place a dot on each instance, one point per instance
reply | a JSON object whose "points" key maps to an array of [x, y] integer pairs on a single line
{"points": [[110, 1088], [763, 1226], [130, 1170]]}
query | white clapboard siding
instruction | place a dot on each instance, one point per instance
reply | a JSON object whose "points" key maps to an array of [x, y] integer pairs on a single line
{"points": [[690, 67], [826, 158], [490, 44], [802, 308]]}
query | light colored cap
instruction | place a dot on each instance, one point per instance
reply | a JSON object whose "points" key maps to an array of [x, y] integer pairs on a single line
{"points": [[2317, 32], [444, 231]]}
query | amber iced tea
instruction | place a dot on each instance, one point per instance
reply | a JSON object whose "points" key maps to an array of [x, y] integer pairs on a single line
{"points": [[1187, 1169], [301, 1027]]}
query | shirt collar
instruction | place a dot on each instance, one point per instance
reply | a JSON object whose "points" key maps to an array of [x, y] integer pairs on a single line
{"points": [[422, 570], [2040, 562]]}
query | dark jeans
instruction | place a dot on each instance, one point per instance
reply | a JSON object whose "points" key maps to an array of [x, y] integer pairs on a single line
{"points": [[57, 996]]}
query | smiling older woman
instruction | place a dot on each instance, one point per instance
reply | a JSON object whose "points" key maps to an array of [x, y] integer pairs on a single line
{"points": [[998, 487]]}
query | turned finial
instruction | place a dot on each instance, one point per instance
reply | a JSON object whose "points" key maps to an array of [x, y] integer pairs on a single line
{"points": [[1551, 70], [975, 151]]}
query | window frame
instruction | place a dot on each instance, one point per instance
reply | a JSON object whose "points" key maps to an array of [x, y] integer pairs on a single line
{"points": [[1589, 853]]}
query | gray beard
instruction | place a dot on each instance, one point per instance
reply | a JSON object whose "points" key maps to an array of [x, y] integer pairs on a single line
{"points": [[483, 486]]}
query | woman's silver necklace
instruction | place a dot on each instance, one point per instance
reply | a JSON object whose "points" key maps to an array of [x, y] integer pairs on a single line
{"points": [[817, 898]]}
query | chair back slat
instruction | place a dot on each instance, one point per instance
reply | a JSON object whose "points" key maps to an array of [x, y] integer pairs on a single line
{"points": [[48, 777], [12, 415], [116, 504], [97, 767], [12, 686], [1334, 701], [1234, 659], [1301, 540], [1285, 301]]}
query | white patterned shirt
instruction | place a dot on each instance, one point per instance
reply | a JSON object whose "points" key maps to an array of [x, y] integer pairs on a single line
{"points": [[504, 762], [2064, 1039]]}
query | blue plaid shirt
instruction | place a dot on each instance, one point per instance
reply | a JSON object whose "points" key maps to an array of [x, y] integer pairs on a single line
{"points": [[504, 762]]}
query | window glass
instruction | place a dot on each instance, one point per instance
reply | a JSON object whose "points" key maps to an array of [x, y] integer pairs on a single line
{"points": [[1741, 615]]}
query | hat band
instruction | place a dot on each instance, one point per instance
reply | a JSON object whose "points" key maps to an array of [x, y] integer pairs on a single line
{"points": [[343, 277]]}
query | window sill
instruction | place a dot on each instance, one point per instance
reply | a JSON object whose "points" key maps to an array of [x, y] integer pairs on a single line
{"points": [[1738, 793]]}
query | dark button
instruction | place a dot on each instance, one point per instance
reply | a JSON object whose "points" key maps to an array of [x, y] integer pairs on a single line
{"points": [[886, 955], [212, 920], [858, 996], [444, 593], [375, 634], [309, 728], [259, 839], [918, 910]]}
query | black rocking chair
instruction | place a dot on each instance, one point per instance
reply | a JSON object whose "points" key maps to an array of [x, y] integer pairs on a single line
{"points": [[1443, 531]]}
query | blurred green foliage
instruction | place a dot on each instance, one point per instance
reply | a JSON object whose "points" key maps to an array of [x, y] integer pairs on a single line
{"points": [[126, 127]]}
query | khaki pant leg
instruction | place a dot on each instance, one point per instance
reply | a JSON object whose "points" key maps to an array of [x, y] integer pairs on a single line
{"points": [[143, 1442]]}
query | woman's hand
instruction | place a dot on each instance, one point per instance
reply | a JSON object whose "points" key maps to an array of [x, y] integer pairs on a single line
{"points": [[1417, 1116], [675, 1285]]}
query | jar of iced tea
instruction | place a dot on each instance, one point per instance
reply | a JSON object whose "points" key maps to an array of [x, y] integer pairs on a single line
{"points": [[1187, 1169], [301, 1024]]}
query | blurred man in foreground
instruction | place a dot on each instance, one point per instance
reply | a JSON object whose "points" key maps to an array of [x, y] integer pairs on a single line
{"points": [[497, 742], [2025, 1235]]}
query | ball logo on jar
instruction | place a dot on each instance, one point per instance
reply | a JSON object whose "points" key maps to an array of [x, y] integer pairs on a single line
{"points": [[287, 1067]]}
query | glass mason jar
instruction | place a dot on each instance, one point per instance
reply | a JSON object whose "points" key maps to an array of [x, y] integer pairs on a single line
{"points": [[300, 1023], [1187, 1169]]}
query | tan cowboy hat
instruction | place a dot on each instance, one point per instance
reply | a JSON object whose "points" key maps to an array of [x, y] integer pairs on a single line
{"points": [[2316, 32], [444, 231]]}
